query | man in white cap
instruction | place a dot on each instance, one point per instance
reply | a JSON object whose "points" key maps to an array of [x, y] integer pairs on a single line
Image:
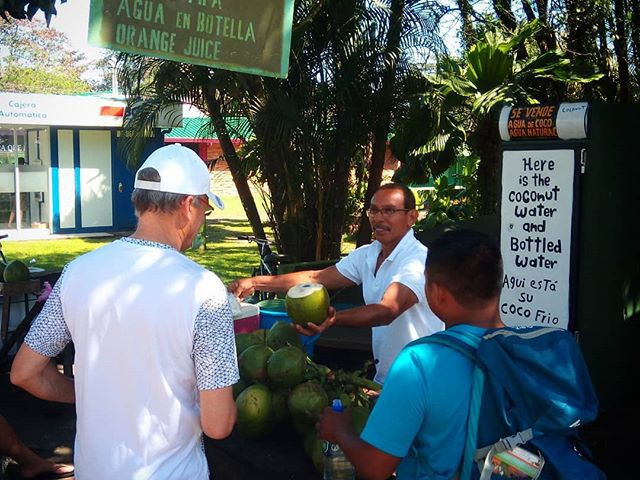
{"points": [[153, 335]]}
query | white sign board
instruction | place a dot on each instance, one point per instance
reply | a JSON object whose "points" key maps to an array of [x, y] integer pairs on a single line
{"points": [[535, 236], [61, 110]]}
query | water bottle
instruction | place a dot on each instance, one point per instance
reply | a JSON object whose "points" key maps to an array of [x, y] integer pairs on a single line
{"points": [[336, 465]]}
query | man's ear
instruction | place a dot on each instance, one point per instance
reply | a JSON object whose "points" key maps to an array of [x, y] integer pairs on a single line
{"points": [[440, 293], [412, 217], [187, 203]]}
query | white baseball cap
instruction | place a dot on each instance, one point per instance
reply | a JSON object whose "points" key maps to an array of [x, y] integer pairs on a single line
{"points": [[181, 171]]}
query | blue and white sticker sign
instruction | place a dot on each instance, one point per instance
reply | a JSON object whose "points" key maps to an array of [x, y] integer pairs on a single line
{"points": [[252, 36], [535, 236]]}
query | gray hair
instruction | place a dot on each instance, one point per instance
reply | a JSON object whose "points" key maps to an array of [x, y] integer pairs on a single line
{"points": [[152, 200]]}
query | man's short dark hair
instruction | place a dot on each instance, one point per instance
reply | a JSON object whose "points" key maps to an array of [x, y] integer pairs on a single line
{"points": [[151, 200], [468, 264], [409, 197]]}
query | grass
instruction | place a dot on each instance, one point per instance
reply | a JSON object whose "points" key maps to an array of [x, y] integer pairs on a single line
{"points": [[225, 255]]}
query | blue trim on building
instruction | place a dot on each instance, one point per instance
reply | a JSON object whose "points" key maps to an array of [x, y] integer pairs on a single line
{"points": [[77, 179], [55, 180], [114, 184]]}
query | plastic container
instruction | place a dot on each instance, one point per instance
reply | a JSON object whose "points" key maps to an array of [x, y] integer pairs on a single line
{"points": [[335, 462], [248, 319], [273, 310]]}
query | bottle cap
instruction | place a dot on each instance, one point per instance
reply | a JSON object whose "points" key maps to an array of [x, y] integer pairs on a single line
{"points": [[336, 405]]}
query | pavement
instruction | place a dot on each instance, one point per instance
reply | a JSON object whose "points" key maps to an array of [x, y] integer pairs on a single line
{"points": [[48, 428]]}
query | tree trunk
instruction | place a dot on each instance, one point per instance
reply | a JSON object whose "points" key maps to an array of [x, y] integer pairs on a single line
{"points": [[486, 141], [504, 13], [383, 117], [635, 35], [546, 37], [604, 62], [468, 32], [583, 26], [620, 48], [233, 161]]}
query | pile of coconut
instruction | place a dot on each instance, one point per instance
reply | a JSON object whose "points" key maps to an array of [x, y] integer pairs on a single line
{"points": [[280, 384]]}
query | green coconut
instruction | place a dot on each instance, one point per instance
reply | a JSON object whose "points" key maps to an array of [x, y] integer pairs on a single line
{"points": [[15, 271], [307, 303], [286, 366], [253, 363], [255, 411], [280, 410], [313, 446], [282, 334], [239, 386], [306, 401], [246, 340]]}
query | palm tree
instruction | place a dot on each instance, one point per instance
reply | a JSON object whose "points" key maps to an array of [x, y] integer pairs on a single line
{"points": [[469, 94], [310, 131], [405, 26], [151, 84]]}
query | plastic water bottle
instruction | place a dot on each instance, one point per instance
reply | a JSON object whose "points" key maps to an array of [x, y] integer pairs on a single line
{"points": [[336, 465]]}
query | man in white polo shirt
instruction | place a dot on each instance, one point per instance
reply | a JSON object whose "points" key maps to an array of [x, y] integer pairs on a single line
{"points": [[391, 272], [153, 334]]}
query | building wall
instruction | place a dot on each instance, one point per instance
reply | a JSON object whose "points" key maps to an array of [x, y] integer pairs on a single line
{"points": [[82, 172]]}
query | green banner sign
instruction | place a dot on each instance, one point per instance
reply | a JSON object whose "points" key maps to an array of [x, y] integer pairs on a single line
{"points": [[252, 36]]}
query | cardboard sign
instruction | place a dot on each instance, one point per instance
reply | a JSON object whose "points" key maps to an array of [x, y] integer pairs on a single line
{"points": [[242, 35], [535, 236]]}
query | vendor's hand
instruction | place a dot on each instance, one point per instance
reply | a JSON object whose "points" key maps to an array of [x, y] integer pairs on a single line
{"points": [[312, 329], [331, 423], [242, 287]]}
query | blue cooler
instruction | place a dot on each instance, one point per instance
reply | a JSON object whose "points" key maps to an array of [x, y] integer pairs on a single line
{"points": [[273, 310]]}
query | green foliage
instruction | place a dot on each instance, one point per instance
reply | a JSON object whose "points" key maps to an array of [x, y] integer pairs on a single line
{"points": [[451, 201], [491, 74], [35, 80], [38, 59], [458, 108], [311, 131]]}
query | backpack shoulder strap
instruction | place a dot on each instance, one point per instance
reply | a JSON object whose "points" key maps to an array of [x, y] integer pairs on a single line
{"points": [[467, 344], [463, 342]]}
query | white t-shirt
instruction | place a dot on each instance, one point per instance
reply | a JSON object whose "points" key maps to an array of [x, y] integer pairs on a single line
{"points": [[405, 265], [150, 328]]}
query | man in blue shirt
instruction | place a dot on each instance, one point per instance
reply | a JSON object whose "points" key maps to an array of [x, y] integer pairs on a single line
{"points": [[418, 425]]}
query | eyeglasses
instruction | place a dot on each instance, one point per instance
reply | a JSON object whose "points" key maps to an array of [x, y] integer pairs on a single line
{"points": [[203, 202], [385, 212]]}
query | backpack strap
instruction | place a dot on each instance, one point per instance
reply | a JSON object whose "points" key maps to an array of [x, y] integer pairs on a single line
{"points": [[463, 342], [467, 344]]}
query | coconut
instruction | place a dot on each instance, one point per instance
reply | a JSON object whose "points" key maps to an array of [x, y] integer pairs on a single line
{"points": [[254, 411], [246, 340], [15, 271], [282, 334], [286, 367], [306, 401], [280, 410], [307, 303], [239, 386], [253, 363], [313, 446]]}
